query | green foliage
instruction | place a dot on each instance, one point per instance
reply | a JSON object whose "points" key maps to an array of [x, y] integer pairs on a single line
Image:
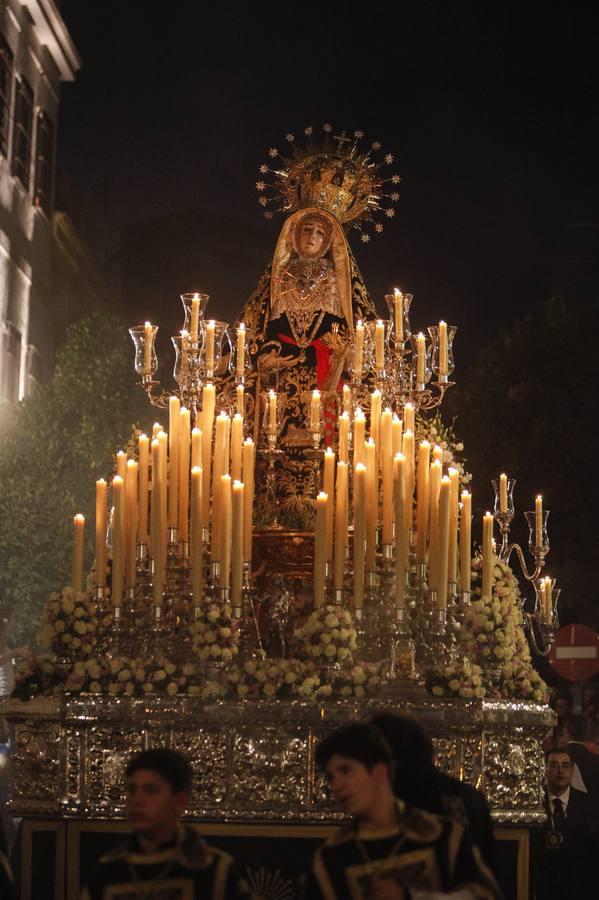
{"points": [[527, 408], [55, 445]]}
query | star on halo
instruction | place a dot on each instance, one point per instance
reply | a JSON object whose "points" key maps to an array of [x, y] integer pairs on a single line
{"points": [[290, 137], [395, 179], [326, 127], [389, 158], [378, 227], [268, 214], [262, 201], [365, 238], [273, 152], [263, 169], [358, 134], [309, 130], [389, 213], [394, 196], [376, 145], [260, 185]]}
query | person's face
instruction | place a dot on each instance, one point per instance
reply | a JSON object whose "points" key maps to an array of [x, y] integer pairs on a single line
{"points": [[153, 808], [558, 772], [355, 787], [312, 235]]}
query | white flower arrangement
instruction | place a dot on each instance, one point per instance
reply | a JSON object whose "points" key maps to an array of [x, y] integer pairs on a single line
{"points": [[215, 634], [69, 624], [327, 637], [441, 434], [497, 657]]}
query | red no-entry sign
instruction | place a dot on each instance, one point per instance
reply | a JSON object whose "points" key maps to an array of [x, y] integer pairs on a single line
{"points": [[575, 652]]}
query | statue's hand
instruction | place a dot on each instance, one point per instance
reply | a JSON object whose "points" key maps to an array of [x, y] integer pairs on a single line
{"points": [[271, 361]]}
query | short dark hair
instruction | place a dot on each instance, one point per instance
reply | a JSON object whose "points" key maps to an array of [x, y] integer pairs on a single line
{"points": [[556, 749], [408, 741], [170, 764], [358, 741]]}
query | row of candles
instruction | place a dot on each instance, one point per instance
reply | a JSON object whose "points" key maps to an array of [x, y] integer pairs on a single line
{"points": [[203, 486], [369, 344], [187, 486]]}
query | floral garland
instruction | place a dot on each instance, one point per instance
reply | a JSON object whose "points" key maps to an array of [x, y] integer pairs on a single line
{"points": [[498, 662]]}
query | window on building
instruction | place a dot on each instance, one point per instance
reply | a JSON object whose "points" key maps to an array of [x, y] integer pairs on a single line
{"points": [[23, 129], [44, 162], [35, 370], [6, 67], [11, 363]]}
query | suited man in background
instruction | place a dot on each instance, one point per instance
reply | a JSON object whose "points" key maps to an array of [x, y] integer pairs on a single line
{"points": [[587, 760], [568, 843]]}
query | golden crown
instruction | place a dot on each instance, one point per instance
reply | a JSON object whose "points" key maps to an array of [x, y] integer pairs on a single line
{"points": [[333, 174]]}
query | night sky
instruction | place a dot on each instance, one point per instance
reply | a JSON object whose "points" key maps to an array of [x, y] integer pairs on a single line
{"points": [[492, 119]]}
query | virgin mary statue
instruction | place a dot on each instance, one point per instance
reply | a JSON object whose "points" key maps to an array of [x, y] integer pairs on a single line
{"points": [[300, 320]]}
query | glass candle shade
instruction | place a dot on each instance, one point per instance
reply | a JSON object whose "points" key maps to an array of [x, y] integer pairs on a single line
{"points": [[509, 491], [194, 307], [442, 363], [530, 517], [399, 330], [146, 360]]}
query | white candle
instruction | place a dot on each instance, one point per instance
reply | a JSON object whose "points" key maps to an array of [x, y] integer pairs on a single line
{"points": [[422, 500], [184, 468], [401, 532], [240, 361], [409, 418], [359, 436], [210, 331], [174, 407], [101, 493], [320, 549], [240, 392], [196, 447], [371, 503], [78, 535], [340, 524], [436, 472], [503, 493], [359, 534], [144, 467], [272, 413], [315, 412], [195, 317], [148, 343], [344, 437], [131, 521], [539, 521], [358, 350], [465, 540], [118, 540], [379, 345], [421, 359], [236, 446], [237, 543], [442, 560], [196, 546], [225, 531], [208, 407], [454, 505], [443, 348], [488, 560], [398, 308], [387, 474], [249, 458], [328, 484]]}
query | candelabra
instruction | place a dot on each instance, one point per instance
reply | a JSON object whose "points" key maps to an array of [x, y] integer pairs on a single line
{"points": [[543, 621]]}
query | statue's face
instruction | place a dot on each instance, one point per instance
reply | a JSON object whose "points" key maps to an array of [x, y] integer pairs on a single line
{"points": [[312, 236]]}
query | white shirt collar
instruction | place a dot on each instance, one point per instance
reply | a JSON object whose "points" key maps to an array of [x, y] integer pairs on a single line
{"points": [[565, 797]]}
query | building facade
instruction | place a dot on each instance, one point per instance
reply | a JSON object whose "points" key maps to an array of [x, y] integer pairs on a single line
{"points": [[36, 55]]}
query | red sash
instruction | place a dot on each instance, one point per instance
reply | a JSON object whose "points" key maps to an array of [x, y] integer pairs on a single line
{"points": [[323, 357]]}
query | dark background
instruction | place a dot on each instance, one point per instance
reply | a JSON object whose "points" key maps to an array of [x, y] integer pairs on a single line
{"points": [[492, 119]]}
